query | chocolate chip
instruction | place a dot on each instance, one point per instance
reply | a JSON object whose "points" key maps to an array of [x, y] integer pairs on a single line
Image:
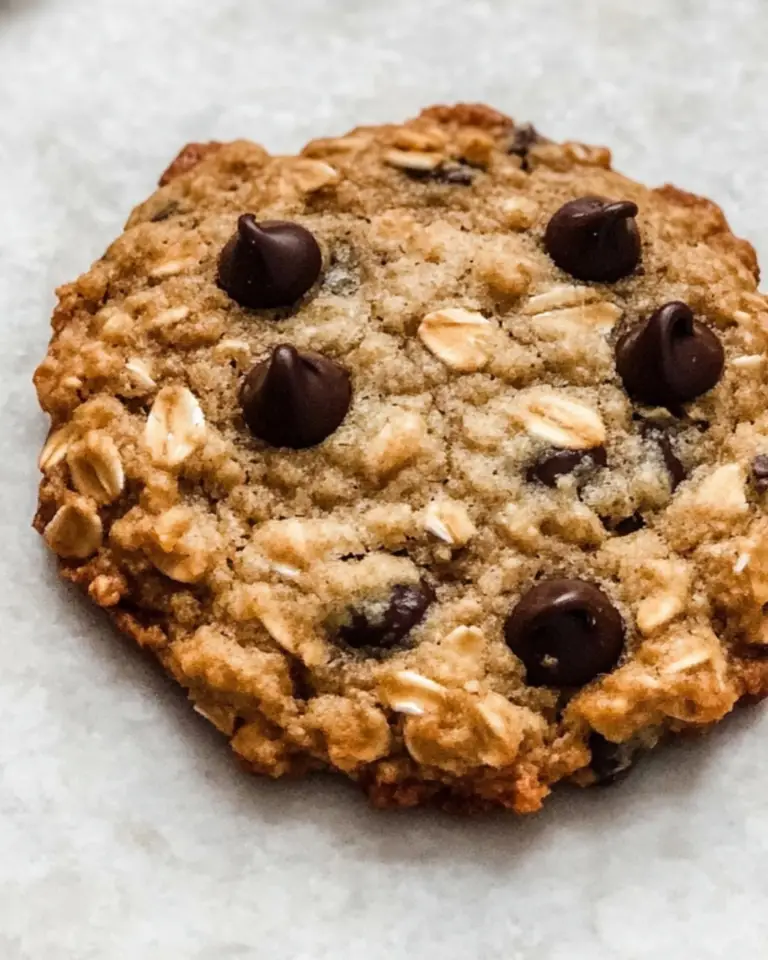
{"points": [[625, 526], [670, 357], [752, 651], [594, 239], [674, 467], [556, 464], [452, 173], [269, 264], [457, 175], [384, 626], [760, 473], [295, 399], [301, 680], [524, 137], [566, 632], [611, 762], [676, 470]]}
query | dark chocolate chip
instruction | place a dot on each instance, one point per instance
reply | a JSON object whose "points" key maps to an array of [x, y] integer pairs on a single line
{"points": [[452, 173], [674, 467], [611, 762], [669, 358], [295, 399], [524, 137], [625, 526], [457, 175], [753, 651], [566, 632], [760, 473], [269, 264], [301, 680], [594, 239], [390, 623], [556, 464]]}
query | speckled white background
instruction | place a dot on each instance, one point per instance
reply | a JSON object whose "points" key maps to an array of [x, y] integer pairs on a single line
{"points": [[126, 831]]}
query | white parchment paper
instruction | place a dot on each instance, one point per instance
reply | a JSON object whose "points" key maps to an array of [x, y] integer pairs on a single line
{"points": [[126, 831]]}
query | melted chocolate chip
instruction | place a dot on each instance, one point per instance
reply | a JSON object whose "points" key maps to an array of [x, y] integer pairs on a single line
{"points": [[594, 239], [760, 473], [625, 526], [301, 680], [390, 623], [457, 175], [611, 762], [752, 651], [674, 467], [452, 173], [669, 358], [561, 462], [566, 632], [295, 399], [269, 264], [524, 137]]}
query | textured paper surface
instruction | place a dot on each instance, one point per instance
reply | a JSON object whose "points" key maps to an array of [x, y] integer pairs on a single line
{"points": [[126, 831]]}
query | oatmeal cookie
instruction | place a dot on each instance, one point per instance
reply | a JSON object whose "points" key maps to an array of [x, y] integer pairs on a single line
{"points": [[437, 455]]}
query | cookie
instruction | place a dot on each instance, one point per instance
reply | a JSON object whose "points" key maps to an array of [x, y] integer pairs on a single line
{"points": [[436, 455]]}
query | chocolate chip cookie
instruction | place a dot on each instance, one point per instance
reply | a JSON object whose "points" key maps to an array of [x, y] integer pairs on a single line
{"points": [[437, 455]]}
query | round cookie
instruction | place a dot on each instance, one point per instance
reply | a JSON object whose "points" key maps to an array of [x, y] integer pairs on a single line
{"points": [[436, 455]]}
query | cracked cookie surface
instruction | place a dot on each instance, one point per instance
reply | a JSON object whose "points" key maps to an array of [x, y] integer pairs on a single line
{"points": [[435, 454]]}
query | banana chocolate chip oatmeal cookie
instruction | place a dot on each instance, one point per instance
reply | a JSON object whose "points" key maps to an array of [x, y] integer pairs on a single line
{"points": [[437, 454]]}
